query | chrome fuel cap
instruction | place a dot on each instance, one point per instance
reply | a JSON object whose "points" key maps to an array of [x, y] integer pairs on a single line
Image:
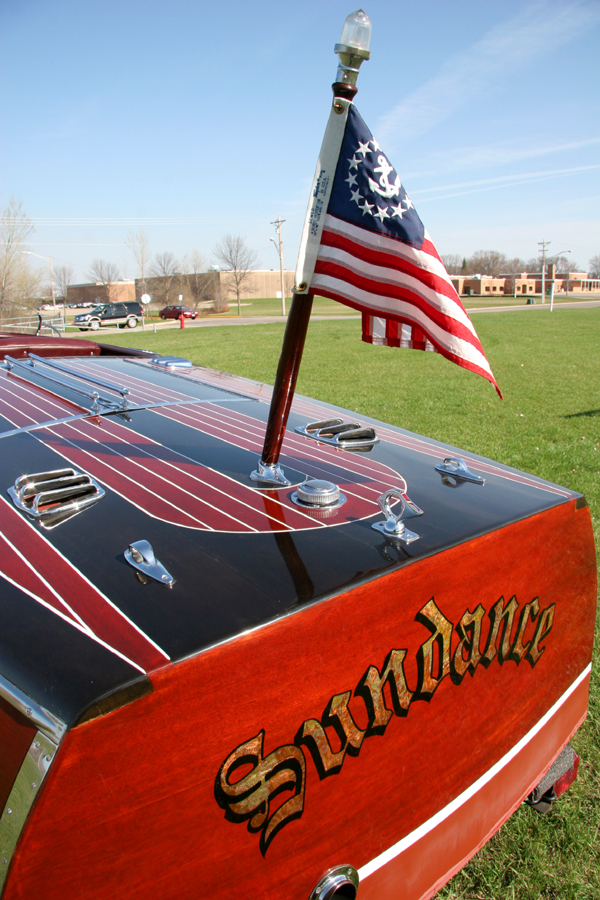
{"points": [[318, 493]]}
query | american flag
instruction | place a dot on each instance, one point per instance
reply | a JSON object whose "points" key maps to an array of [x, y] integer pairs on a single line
{"points": [[375, 255]]}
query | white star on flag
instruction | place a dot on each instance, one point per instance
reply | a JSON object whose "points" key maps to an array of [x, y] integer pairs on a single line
{"points": [[381, 213]]}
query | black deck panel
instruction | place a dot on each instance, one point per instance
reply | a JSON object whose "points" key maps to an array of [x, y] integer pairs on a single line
{"points": [[226, 583]]}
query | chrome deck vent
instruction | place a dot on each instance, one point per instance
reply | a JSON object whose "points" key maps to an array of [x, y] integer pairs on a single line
{"points": [[171, 362], [52, 497], [345, 435]]}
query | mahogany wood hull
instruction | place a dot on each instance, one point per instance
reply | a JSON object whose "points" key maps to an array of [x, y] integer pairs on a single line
{"points": [[136, 803]]}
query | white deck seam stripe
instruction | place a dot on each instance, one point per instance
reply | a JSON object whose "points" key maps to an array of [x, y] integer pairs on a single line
{"points": [[88, 582], [304, 457], [111, 449]]}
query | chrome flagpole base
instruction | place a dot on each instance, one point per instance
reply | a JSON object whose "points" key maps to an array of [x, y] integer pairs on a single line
{"points": [[273, 475]]}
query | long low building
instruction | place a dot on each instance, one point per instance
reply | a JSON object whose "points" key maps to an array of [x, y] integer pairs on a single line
{"points": [[213, 288], [525, 284]]}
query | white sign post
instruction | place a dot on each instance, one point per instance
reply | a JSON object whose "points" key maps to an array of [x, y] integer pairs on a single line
{"points": [[145, 298]]}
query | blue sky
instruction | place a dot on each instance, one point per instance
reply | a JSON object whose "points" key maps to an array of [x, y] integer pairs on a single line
{"points": [[192, 119]]}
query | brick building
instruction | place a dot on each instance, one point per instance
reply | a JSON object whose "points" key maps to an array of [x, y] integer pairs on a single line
{"points": [[96, 292], [209, 289]]}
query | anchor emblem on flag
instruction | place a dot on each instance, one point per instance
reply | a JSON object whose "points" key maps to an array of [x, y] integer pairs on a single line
{"points": [[384, 188]]}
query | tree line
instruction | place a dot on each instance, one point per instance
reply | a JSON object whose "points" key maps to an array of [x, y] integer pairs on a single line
{"points": [[494, 263], [165, 276]]}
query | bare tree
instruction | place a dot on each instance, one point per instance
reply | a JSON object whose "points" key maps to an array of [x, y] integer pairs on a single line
{"points": [[453, 263], [199, 281], [594, 266], [239, 262], [564, 264], [514, 267], [487, 262], [533, 264], [106, 273], [27, 284], [15, 228], [564, 267], [63, 277], [139, 245], [165, 272]]}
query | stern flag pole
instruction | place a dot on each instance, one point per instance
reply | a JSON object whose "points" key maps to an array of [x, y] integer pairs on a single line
{"points": [[352, 50]]}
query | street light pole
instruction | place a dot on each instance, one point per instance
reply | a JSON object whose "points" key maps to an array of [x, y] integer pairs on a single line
{"points": [[278, 223]]}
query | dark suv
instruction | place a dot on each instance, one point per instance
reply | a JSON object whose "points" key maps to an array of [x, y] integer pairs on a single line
{"points": [[119, 314]]}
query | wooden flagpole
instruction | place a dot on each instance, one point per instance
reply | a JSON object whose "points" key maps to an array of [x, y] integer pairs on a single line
{"points": [[352, 50], [287, 375]]}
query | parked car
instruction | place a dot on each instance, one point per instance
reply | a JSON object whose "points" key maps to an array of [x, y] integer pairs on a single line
{"points": [[174, 312], [212, 686], [119, 314]]}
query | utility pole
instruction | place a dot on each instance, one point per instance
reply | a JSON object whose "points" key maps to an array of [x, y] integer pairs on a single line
{"points": [[278, 223], [543, 245]]}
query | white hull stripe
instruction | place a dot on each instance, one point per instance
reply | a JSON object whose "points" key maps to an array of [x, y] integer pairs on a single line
{"points": [[451, 808]]}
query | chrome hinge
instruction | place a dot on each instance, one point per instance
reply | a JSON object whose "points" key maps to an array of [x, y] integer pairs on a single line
{"points": [[454, 470], [141, 556]]}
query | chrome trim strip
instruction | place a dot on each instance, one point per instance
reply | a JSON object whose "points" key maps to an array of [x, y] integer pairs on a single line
{"points": [[109, 385], [51, 726], [10, 363], [20, 800], [116, 411]]}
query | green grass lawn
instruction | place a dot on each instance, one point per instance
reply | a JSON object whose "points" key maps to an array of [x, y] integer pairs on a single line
{"points": [[548, 367], [272, 307]]}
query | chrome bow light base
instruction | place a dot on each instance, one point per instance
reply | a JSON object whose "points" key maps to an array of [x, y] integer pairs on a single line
{"points": [[454, 471], [340, 882], [394, 527], [273, 476], [318, 494], [141, 556]]}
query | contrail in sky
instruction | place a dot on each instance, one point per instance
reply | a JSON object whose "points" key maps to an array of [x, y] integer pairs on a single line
{"points": [[539, 29]]}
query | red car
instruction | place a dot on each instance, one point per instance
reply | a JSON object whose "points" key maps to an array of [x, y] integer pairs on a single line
{"points": [[173, 312]]}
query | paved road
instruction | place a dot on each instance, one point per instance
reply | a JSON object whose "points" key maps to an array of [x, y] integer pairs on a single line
{"points": [[583, 304], [206, 322]]}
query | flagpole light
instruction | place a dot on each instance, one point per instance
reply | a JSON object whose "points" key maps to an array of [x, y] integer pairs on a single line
{"points": [[352, 50]]}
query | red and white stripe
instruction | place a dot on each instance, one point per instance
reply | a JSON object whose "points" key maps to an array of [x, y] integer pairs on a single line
{"points": [[30, 562], [382, 276], [389, 333]]}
